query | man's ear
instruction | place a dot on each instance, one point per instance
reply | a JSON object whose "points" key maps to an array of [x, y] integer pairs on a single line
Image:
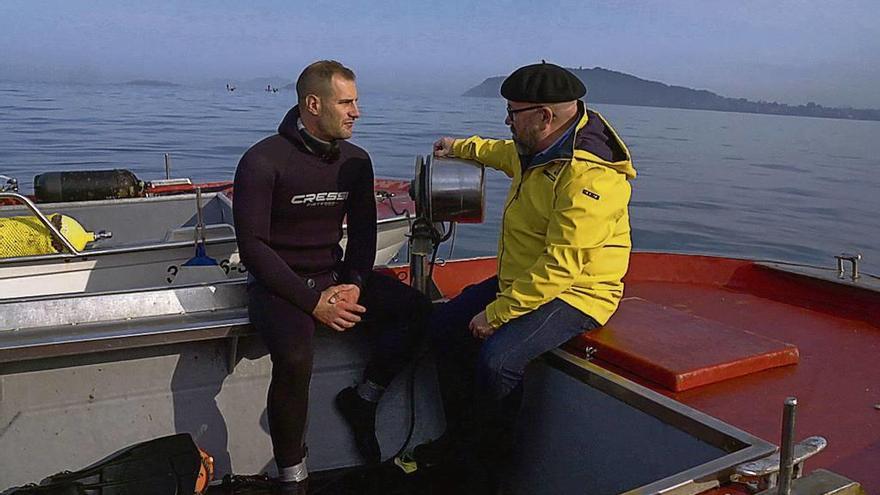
{"points": [[313, 104], [546, 116]]}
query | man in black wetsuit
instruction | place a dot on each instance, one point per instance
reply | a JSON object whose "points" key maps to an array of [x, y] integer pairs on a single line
{"points": [[292, 191]]}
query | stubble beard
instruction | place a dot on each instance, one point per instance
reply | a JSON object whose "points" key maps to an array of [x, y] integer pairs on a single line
{"points": [[334, 129], [525, 140]]}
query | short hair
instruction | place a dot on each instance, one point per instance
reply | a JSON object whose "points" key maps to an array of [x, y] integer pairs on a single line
{"points": [[315, 79]]}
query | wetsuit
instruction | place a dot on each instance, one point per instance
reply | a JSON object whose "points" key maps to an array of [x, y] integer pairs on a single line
{"points": [[291, 195]]}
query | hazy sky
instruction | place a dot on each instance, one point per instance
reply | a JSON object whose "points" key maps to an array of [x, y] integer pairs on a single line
{"points": [[790, 51]]}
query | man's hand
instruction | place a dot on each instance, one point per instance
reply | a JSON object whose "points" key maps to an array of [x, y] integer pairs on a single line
{"points": [[480, 327], [345, 292], [443, 147], [341, 314]]}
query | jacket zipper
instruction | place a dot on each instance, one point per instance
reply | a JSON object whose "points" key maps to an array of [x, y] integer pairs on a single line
{"points": [[504, 216]]}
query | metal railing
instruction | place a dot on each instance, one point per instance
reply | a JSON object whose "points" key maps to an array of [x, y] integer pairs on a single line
{"points": [[36, 211]]}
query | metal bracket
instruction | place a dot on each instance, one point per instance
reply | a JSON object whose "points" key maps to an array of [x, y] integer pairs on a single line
{"points": [[822, 482], [590, 352], [762, 474], [854, 261], [11, 184]]}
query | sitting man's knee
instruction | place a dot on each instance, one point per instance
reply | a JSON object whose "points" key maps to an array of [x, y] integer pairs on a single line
{"points": [[492, 360], [292, 361]]}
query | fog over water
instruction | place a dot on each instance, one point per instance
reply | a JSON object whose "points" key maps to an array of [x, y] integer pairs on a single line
{"points": [[790, 51]]}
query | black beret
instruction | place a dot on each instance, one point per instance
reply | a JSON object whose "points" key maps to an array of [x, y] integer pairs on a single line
{"points": [[542, 83]]}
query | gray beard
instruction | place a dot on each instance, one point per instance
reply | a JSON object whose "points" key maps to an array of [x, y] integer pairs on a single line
{"points": [[522, 148]]}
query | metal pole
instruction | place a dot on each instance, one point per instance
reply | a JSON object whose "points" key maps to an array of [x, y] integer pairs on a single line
{"points": [[420, 247], [786, 456], [417, 269], [200, 225], [421, 239], [167, 166]]}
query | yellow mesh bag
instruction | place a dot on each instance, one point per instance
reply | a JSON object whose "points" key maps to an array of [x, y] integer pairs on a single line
{"points": [[27, 236]]}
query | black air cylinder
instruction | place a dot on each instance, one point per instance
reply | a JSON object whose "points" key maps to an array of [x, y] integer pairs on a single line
{"points": [[53, 187]]}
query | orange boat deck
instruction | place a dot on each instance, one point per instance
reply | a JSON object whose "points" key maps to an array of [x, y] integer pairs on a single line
{"points": [[835, 327]]}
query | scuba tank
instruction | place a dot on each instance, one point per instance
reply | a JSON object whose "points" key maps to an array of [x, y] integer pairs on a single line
{"points": [[55, 187], [28, 236]]}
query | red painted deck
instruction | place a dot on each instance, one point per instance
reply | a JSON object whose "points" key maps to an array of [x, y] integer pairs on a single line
{"points": [[836, 329]]}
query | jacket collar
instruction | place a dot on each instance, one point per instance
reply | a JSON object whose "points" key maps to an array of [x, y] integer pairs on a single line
{"points": [[563, 149]]}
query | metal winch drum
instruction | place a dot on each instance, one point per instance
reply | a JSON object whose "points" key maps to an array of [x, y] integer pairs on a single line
{"points": [[445, 190], [449, 190]]}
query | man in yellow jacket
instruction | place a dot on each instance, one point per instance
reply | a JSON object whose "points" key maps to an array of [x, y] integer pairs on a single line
{"points": [[562, 253]]}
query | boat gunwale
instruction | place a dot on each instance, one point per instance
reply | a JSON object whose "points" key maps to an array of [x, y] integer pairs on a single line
{"points": [[165, 330], [86, 255], [212, 306]]}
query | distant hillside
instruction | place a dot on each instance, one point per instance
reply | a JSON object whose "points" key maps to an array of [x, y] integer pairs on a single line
{"points": [[608, 86], [151, 83]]}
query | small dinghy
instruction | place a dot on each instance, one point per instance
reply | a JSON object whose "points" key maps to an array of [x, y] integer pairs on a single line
{"points": [[88, 232]]}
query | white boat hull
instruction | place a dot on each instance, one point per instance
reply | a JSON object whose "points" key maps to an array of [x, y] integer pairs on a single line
{"points": [[150, 265], [83, 376]]}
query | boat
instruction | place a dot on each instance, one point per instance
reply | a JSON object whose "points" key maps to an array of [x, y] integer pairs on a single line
{"points": [[687, 390], [150, 236], [683, 390]]}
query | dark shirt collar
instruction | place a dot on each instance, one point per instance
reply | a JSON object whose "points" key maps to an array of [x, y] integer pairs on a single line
{"points": [[327, 151], [553, 148]]}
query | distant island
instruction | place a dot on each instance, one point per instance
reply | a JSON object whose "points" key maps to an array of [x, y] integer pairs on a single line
{"points": [[151, 83], [608, 86]]}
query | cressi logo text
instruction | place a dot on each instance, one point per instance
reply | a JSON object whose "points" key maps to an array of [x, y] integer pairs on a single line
{"points": [[320, 199]]}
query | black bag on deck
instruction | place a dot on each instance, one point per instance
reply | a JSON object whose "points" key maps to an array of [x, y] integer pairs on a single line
{"points": [[167, 465]]}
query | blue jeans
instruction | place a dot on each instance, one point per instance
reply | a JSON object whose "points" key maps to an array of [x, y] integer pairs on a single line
{"points": [[471, 370]]}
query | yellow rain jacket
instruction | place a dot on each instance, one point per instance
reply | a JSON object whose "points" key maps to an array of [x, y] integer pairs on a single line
{"points": [[565, 232]]}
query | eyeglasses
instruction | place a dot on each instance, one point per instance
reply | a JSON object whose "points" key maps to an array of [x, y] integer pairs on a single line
{"points": [[511, 112]]}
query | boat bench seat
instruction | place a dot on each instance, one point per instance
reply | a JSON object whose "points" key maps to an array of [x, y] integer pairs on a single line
{"points": [[679, 350], [212, 231]]}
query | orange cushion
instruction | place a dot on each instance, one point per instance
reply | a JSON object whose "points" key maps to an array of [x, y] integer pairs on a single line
{"points": [[679, 350]]}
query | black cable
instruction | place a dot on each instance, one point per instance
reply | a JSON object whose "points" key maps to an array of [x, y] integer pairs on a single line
{"points": [[452, 244], [389, 196], [412, 403], [411, 429], [433, 260], [448, 233], [438, 238]]}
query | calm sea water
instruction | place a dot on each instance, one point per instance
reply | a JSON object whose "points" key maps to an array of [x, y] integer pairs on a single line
{"points": [[754, 186]]}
